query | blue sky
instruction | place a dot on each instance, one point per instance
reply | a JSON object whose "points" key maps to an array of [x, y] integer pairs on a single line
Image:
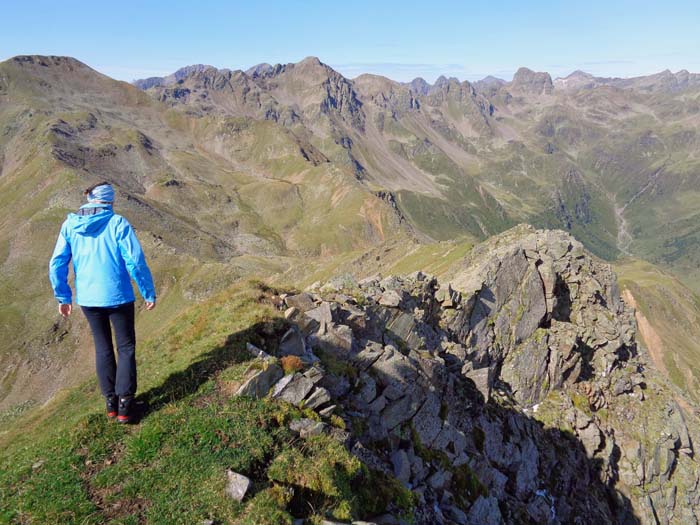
{"points": [[401, 40]]}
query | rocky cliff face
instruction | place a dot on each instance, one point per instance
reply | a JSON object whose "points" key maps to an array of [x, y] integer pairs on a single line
{"points": [[516, 393]]}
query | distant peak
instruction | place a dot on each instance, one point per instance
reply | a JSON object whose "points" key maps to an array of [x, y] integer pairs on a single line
{"points": [[490, 80], [579, 73], [529, 81], [311, 61], [182, 73], [259, 69], [419, 85], [48, 61]]}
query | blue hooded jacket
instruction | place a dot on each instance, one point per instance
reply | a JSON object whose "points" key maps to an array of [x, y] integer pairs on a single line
{"points": [[105, 252]]}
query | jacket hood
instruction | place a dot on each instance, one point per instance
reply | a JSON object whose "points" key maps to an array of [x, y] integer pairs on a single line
{"points": [[89, 224]]}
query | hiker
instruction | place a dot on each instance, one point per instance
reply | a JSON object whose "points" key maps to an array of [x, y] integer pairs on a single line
{"points": [[105, 252]]}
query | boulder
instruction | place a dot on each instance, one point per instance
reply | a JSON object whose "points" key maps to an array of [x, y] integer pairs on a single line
{"points": [[259, 385], [237, 485]]}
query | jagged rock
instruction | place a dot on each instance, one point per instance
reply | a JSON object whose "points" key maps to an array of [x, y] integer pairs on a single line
{"points": [[292, 343], [297, 387], [515, 384], [318, 397], [237, 485], [591, 437], [326, 412], [439, 480], [390, 298], [402, 466], [485, 511], [302, 302], [335, 338], [427, 423], [307, 427], [257, 352], [455, 514], [368, 389], [260, 384], [322, 313], [679, 428]]}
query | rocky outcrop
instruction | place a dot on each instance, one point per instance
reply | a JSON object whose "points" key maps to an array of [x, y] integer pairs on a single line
{"points": [[516, 393]]}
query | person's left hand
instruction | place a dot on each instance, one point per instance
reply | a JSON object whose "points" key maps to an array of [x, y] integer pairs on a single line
{"points": [[65, 309], [150, 306]]}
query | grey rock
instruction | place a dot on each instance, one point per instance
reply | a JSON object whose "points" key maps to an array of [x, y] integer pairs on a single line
{"points": [[368, 355], [295, 390], [322, 313], [260, 384], [317, 398], [237, 485], [368, 388], [483, 379], [327, 412], [282, 384], [307, 427], [302, 302], [427, 423], [390, 298], [440, 479], [485, 511], [402, 466], [455, 514], [402, 409], [334, 338], [292, 343]]}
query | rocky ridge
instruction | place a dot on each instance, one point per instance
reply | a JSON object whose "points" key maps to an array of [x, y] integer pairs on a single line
{"points": [[516, 393]]}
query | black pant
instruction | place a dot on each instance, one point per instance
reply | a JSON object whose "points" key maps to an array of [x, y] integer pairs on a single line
{"points": [[119, 379]]}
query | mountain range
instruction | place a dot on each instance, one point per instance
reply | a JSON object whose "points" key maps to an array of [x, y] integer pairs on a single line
{"points": [[293, 174]]}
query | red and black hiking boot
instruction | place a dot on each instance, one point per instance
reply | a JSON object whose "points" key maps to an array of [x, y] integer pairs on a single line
{"points": [[124, 411], [112, 406]]}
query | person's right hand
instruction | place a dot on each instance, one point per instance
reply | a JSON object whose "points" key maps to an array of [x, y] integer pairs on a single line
{"points": [[65, 309], [150, 306]]}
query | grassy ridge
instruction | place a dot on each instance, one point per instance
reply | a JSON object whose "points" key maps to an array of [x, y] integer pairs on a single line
{"points": [[673, 312], [67, 463]]}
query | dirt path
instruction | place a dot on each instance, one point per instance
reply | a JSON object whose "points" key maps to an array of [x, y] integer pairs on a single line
{"points": [[650, 338]]}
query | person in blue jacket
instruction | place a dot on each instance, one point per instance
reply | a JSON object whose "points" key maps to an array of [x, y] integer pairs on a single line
{"points": [[105, 254]]}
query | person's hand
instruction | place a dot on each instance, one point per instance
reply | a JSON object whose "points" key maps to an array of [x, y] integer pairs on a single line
{"points": [[150, 306], [65, 309]]}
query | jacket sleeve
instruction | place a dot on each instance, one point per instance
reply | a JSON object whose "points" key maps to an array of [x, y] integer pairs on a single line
{"points": [[58, 269], [135, 260]]}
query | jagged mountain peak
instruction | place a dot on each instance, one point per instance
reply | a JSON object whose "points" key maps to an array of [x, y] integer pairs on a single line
{"points": [[532, 82], [529, 347], [180, 74], [419, 85], [259, 69]]}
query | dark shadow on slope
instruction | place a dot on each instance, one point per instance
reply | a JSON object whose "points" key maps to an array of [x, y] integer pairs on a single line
{"points": [[183, 383], [569, 481]]}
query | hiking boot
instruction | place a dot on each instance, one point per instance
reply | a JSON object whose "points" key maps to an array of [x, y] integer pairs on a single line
{"points": [[125, 408], [112, 403]]}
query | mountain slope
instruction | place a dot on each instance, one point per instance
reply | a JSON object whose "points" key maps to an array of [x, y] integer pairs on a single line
{"points": [[495, 399], [608, 159], [288, 168], [216, 193]]}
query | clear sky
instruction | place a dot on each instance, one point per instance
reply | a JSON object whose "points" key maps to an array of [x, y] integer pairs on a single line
{"points": [[134, 39]]}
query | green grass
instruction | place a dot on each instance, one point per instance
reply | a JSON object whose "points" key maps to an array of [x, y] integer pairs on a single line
{"points": [[673, 312], [67, 463]]}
